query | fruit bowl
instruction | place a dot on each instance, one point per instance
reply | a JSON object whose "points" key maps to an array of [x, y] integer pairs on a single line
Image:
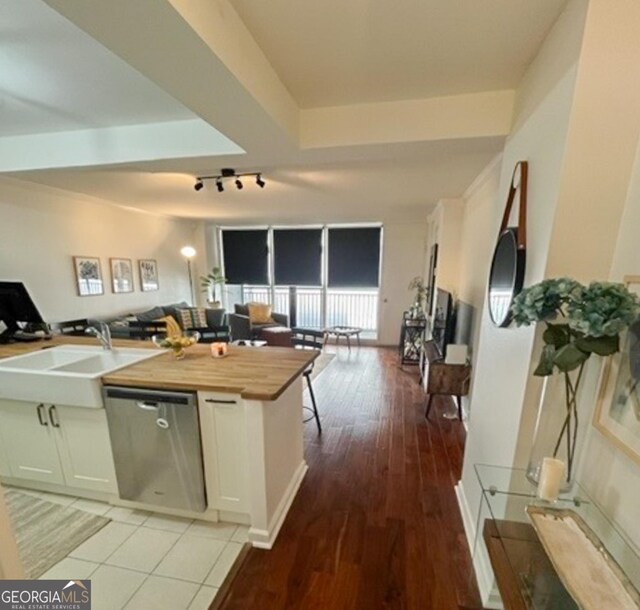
{"points": [[177, 343]]}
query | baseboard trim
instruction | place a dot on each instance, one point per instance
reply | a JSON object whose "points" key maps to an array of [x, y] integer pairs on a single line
{"points": [[467, 516], [264, 539], [484, 574]]}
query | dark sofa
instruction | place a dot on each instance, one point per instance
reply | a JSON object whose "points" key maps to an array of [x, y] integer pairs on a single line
{"points": [[216, 329]]}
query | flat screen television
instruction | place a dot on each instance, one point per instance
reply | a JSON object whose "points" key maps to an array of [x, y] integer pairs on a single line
{"points": [[17, 307], [443, 323]]}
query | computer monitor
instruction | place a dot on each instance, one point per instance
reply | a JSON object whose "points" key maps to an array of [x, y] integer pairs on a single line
{"points": [[16, 306]]}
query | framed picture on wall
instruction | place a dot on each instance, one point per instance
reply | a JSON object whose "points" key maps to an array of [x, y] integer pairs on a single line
{"points": [[88, 276], [617, 412], [148, 274], [121, 275]]}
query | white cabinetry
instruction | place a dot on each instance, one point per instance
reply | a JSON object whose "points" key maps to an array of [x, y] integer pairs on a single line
{"points": [[224, 448], [29, 442], [56, 444], [84, 448]]}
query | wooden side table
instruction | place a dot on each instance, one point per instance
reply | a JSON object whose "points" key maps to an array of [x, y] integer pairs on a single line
{"points": [[444, 379]]}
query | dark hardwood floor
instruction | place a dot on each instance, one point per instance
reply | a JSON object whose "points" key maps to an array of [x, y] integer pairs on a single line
{"points": [[375, 523]]}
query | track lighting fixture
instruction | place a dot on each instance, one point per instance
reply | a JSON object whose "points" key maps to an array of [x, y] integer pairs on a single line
{"points": [[227, 173]]}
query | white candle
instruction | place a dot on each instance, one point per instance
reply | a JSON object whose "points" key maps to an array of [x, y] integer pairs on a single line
{"points": [[551, 475], [218, 349]]}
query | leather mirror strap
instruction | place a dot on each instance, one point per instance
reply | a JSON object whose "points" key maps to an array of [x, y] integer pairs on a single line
{"points": [[522, 211]]}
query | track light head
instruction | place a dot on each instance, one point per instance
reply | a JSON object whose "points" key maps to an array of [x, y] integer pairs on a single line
{"points": [[199, 185], [219, 186], [239, 184], [259, 181]]}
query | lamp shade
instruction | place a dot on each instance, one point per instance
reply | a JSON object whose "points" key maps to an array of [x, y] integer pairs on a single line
{"points": [[188, 251]]}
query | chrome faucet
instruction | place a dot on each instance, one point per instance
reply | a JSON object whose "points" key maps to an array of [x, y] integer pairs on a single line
{"points": [[103, 335]]}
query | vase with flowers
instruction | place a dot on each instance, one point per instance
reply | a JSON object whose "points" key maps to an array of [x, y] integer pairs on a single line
{"points": [[417, 308], [580, 321]]}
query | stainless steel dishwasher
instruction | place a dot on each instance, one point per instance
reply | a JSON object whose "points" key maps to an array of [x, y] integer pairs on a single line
{"points": [[155, 437]]}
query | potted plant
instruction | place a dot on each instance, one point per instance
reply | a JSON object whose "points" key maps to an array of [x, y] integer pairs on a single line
{"points": [[580, 321], [209, 284], [417, 309]]}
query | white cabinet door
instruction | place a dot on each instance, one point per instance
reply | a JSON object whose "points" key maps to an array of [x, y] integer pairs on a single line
{"points": [[224, 448], [29, 442], [84, 447]]}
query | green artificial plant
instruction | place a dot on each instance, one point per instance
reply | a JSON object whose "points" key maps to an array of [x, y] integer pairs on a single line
{"points": [[580, 321], [211, 281]]}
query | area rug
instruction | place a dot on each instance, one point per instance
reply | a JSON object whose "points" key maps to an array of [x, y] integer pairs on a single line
{"points": [[46, 532], [321, 363]]}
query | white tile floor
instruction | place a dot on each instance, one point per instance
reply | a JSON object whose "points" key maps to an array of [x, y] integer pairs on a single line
{"points": [[148, 561]]}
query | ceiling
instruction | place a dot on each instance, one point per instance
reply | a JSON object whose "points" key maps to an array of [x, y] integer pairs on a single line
{"points": [[131, 78], [337, 52], [54, 77], [376, 189]]}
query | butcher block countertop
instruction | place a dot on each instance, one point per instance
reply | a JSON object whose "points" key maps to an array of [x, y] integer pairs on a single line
{"points": [[256, 373]]}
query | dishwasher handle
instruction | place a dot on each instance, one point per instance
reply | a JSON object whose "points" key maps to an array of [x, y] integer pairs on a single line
{"points": [[147, 405], [150, 396]]}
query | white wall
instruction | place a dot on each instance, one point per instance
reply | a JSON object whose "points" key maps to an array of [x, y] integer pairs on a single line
{"points": [[609, 475], [445, 229], [477, 241], [42, 228], [402, 260], [579, 131], [504, 355]]}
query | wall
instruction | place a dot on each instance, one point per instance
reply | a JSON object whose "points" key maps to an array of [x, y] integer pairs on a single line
{"points": [[579, 134], [610, 476], [477, 240], [42, 228], [402, 259], [445, 229], [504, 355]]}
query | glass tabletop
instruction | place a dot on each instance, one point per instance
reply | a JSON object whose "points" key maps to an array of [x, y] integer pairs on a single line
{"points": [[507, 493]]}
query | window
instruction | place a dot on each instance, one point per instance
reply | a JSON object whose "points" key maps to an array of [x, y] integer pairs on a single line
{"points": [[297, 257], [354, 258], [319, 276], [246, 256]]}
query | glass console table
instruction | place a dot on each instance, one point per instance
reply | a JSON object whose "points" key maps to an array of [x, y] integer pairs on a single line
{"points": [[507, 542]]}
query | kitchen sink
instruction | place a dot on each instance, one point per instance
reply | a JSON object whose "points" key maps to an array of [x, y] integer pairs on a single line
{"points": [[65, 375]]}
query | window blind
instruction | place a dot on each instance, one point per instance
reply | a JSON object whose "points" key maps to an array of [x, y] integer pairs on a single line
{"points": [[354, 258], [246, 256], [297, 257]]}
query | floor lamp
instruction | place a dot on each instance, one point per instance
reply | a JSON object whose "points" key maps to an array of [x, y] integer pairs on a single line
{"points": [[189, 252]]}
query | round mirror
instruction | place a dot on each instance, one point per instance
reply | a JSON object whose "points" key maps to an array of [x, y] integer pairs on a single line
{"points": [[506, 277]]}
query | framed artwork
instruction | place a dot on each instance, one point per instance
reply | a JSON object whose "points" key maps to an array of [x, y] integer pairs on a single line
{"points": [[617, 412], [88, 276], [148, 274], [121, 275]]}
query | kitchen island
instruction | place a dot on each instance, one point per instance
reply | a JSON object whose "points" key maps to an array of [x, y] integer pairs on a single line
{"points": [[250, 420]]}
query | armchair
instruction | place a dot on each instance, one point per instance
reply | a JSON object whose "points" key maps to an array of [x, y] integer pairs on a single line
{"points": [[243, 329]]}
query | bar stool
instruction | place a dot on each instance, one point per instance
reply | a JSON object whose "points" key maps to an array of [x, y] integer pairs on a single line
{"points": [[308, 338]]}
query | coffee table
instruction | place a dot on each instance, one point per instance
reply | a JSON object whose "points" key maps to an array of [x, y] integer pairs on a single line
{"points": [[342, 331]]}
